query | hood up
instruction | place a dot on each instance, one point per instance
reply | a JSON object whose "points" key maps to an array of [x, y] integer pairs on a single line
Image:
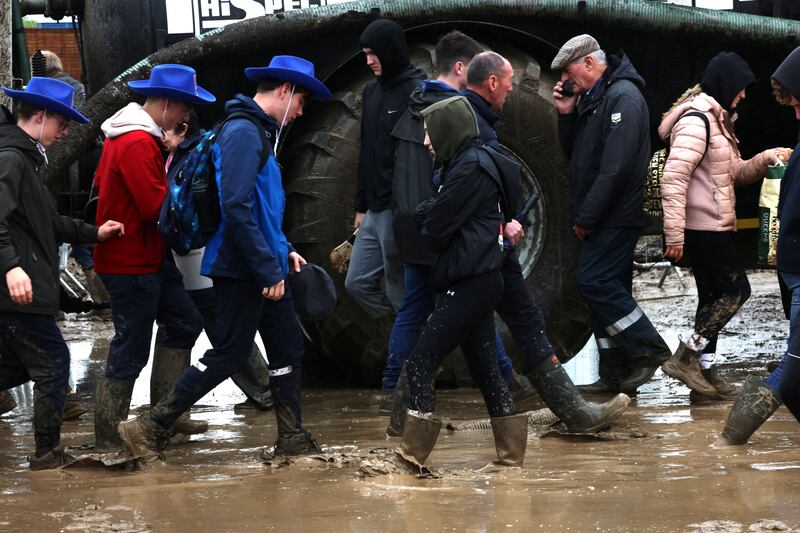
{"points": [[451, 124], [726, 74], [387, 40]]}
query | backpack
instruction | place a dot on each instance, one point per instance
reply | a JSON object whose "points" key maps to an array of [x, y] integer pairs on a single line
{"points": [[191, 209], [655, 171]]}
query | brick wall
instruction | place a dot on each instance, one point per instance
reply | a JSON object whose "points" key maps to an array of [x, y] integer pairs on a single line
{"points": [[60, 41]]}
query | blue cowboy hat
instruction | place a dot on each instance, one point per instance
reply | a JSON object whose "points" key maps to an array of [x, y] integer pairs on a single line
{"points": [[292, 69], [176, 82], [49, 94]]}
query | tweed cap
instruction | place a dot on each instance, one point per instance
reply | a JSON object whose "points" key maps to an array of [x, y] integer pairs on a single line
{"points": [[575, 48]]}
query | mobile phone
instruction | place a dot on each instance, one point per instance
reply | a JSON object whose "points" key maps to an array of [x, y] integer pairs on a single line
{"points": [[567, 88]]}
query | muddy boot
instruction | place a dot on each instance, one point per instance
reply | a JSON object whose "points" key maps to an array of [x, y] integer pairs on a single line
{"points": [[752, 408], [420, 432], [48, 459], [253, 380], [168, 366], [7, 402], [725, 390], [94, 286], [563, 398], [399, 405], [601, 386], [112, 401], [74, 407], [143, 438], [637, 378], [510, 439], [385, 402], [684, 365], [293, 438]]}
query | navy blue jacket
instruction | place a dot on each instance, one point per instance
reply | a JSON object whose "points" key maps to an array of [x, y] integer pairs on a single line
{"points": [[789, 215], [249, 243], [487, 118]]}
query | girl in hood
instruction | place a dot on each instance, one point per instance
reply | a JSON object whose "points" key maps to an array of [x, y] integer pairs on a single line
{"points": [[697, 189], [464, 223]]}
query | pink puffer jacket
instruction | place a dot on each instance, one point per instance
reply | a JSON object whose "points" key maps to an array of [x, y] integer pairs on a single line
{"points": [[697, 192]]}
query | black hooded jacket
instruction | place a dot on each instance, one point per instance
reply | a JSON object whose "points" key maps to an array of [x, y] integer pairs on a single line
{"points": [[607, 140], [725, 76], [30, 227], [384, 101], [413, 170], [788, 75]]}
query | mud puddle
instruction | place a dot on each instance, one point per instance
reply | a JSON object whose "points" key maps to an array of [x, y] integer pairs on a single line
{"points": [[670, 481]]}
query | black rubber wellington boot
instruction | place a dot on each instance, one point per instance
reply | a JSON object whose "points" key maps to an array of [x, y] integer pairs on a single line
{"points": [[169, 365], [253, 380], [400, 400], [112, 402], [510, 439], [7, 402], [752, 408], [293, 438], [565, 400], [419, 437]]}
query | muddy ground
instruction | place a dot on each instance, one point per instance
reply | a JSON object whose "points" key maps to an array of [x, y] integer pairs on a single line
{"points": [[662, 475]]}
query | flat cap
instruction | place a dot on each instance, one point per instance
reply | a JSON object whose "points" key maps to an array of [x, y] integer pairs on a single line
{"points": [[575, 48]]}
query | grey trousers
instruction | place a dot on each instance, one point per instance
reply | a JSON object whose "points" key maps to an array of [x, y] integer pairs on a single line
{"points": [[375, 276]]}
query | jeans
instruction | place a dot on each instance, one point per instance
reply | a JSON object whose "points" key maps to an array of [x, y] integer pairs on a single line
{"points": [[241, 311], [375, 275], [463, 316], [138, 300], [604, 281], [32, 349], [417, 306], [789, 371]]}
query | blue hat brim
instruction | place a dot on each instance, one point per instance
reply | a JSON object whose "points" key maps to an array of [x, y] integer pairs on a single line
{"points": [[50, 104], [317, 88], [144, 87]]}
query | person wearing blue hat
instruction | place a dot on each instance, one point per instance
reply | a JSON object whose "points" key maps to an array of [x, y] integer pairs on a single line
{"points": [[31, 345], [131, 181], [248, 259]]}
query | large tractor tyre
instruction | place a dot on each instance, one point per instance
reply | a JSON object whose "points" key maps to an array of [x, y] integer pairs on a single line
{"points": [[321, 162]]}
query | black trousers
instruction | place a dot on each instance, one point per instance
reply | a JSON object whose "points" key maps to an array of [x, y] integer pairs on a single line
{"points": [[463, 316], [722, 286]]}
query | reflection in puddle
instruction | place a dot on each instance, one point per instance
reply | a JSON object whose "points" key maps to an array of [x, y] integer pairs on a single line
{"points": [[775, 466]]}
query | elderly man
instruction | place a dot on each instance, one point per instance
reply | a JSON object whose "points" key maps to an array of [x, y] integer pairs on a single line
{"points": [[603, 127]]}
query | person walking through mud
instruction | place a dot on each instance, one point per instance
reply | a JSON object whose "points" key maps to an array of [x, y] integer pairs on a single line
{"points": [[248, 259], [464, 222], [31, 345], [698, 199], [414, 183], [143, 286], [603, 126], [253, 378], [761, 398], [375, 276]]}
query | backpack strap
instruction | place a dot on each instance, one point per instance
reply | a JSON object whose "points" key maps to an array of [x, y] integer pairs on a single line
{"points": [[708, 128], [266, 149]]}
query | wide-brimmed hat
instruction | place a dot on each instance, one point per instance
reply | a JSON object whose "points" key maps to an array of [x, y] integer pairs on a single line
{"points": [[49, 94], [292, 69], [176, 82], [313, 293]]}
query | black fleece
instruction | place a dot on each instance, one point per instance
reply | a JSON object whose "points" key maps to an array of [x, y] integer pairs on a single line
{"points": [[726, 74], [30, 227], [608, 142], [384, 101]]}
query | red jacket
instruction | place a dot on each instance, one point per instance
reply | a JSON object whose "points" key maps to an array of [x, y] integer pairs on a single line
{"points": [[132, 185]]}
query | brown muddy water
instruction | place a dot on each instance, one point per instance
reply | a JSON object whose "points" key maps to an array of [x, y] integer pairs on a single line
{"points": [[667, 479]]}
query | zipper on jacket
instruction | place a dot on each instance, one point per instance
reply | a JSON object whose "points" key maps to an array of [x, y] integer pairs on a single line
{"points": [[716, 203]]}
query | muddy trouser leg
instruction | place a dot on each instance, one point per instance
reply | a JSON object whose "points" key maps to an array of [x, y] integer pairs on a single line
{"points": [[35, 342], [789, 387], [722, 283], [523, 317], [458, 310], [239, 307], [417, 306], [365, 275], [253, 378], [480, 351], [604, 267], [283, 341]]}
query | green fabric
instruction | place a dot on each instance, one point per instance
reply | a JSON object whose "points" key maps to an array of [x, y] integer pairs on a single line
{"points": [[451, 124]]}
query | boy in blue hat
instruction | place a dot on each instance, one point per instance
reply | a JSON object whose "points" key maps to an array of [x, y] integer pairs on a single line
{"points": [[144, 288], [248, 258], [31, 345]]}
